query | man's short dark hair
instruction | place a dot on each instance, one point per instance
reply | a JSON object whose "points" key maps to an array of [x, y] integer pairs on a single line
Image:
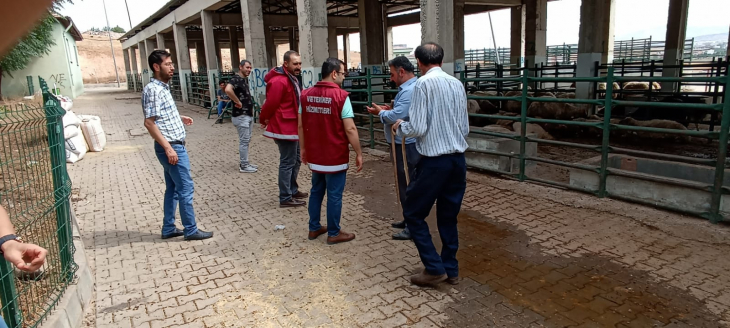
{"points": [[402, 62], [156, 57], [331, 65], [223, 82], [243, 62], [430, 54], [288, 54]]}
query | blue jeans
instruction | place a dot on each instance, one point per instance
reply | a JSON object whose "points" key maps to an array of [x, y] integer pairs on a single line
{"points": [[439, 179], [289, 163], [221, 105], [2, 323], [334, 185], [179, 190]]}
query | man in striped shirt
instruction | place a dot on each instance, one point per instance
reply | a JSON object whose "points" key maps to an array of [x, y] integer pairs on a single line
{"points": [[440, 123]]}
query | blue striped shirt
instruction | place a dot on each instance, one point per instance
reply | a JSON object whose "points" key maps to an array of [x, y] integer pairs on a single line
{"points": [[401, 104], [157, 102], [438, 116]]}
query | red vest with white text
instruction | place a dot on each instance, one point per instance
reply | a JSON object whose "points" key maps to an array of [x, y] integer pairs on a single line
{"points": [[325, 141]]}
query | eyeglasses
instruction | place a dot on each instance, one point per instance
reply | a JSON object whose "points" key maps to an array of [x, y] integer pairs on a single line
{"points": [[343, 73], [170, 65]]}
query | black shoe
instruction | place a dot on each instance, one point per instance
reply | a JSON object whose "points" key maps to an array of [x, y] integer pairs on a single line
{"points": [[300, 195], [452, 280], [292, 203], [177, 233], [220, 121], [403, 235], [399, 225], [200, 235]]}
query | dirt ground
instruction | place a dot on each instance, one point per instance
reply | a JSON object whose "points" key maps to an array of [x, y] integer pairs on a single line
{"points": [[95, 58]]}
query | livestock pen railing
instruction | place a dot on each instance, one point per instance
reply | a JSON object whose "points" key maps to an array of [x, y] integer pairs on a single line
{"points": [[35, 190], [604, 146], [197, 87]]}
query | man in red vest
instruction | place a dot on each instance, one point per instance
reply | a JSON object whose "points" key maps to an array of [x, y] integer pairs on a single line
{"points": [[326, 127]]}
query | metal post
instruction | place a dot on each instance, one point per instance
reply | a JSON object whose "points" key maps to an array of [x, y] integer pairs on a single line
{"points": [[370, 101], [715, 215], [8, 295], [603, 173], [61, 181], [523, 123], [109, 31], [493, 39]]}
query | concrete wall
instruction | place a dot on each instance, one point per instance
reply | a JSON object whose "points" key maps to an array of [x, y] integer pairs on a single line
{"points": [[60, 66]]}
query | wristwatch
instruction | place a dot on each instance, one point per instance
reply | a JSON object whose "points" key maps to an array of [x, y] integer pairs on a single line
{"points": [[8, 238]]}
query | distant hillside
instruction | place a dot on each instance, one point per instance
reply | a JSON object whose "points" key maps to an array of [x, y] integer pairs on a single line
{"points": [[95, 58], [712, 37]]}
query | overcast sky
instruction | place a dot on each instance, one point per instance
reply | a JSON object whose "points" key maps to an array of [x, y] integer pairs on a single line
{"points": [[634, 18]]}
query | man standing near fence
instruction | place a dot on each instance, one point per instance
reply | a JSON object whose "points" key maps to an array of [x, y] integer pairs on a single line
{"points": [[279, 118], [326, 127], [242, 114], [402, 73], [440, 123], [167, 128]]}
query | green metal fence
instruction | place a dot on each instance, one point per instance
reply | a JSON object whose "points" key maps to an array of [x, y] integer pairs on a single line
{"points": [[175, 87], [605, 126], [35, 190], [198, 92], [130, 81]]}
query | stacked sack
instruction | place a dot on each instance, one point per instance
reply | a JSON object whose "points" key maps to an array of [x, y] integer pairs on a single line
{"points": [[75, 144], [94, 133]]}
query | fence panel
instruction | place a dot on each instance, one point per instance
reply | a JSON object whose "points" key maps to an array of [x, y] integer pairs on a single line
{"points": [[35, 190]]}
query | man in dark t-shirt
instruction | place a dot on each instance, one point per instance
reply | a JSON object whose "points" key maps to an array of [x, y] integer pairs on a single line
{"points": [[222, 100], [242, 114]]}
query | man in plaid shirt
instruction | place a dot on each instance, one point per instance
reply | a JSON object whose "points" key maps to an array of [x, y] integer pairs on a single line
{"points": [[167, 127]]}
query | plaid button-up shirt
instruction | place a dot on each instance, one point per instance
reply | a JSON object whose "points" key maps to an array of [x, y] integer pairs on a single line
{"points": [[157, 102]]}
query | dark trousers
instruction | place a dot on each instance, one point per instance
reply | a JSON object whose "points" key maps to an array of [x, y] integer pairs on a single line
{"points": [[439, 179], [412, 156], [289, 163]]}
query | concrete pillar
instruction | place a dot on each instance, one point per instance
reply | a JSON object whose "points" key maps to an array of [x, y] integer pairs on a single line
{"points": [[143, 65], [372, 38], [206, 17], [200, 55], [346, 50], [235, 57], [271, 60], [458, 35], [389, 44], [127, 67], [173, 53], [332, 41], [161, 41], [183, 57], [674, 46], [595, 41], [437, 25], [135, 70], [535, 31], [517, 37], [151, 45], [255, 44], [314, 38], [218, 53], [293, 42]]}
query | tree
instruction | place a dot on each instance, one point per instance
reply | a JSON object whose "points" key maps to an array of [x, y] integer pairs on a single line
{"points": [[118, 29], [36, 44]]}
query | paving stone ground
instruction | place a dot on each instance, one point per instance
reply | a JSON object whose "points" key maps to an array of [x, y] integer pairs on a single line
{"points": [[530, 256]]}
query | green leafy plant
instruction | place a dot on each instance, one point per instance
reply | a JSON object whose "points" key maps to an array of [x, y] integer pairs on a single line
{"points": [[36, 44]]}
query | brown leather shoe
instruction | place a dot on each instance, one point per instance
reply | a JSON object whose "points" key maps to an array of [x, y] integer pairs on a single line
{"points": [[292, 203], [453, 280], [300, 195], [341, 238], [314, 234], [426, 279]]}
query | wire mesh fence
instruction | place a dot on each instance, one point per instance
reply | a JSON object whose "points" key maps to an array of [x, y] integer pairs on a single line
{"points": [[35, 190]]}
